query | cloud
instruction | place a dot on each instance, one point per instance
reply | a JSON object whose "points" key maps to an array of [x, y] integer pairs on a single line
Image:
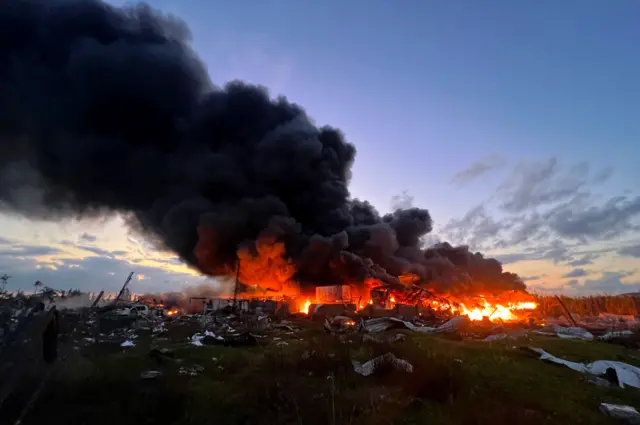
{"points": [[90, 274], [475, 229], [87, 238], [584, 260], [610, 283], [537, 183], [100, 251], [528, 278], [477, 169], [511, 258], [19, 250], [630, 251], [547, 211], [576, 273], [401, 201], [605, 222]]}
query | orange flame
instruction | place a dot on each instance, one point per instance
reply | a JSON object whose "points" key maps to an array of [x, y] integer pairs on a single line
{"points": [[305, 308], [497, 312]]}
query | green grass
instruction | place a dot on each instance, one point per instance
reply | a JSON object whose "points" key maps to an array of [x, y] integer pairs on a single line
{"points": [[312, 382]]}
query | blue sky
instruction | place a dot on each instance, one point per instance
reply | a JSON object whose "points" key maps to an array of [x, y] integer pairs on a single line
{"points": [[514, 123]]}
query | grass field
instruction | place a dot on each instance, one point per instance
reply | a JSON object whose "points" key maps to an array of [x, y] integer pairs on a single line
{"points": [[306, 377]]}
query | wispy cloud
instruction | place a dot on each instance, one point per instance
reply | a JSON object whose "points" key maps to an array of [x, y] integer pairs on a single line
{"points": [[576, 273], [477, 169], [630, 251]]}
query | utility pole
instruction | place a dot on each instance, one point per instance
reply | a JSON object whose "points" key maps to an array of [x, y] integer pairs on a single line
{"points": [[126, 282], [237, 287]]}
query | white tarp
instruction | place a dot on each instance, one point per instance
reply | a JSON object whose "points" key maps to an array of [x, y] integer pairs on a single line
{"points": [[627, 374]]}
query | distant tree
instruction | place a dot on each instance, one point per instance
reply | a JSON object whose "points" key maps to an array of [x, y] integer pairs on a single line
{"points": [[4, 279], [38, 285], [49, 292]]}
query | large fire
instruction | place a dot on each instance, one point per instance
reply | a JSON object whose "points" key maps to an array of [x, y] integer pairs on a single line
{"points": [[265, 270], [476, 308], [497, 312]]}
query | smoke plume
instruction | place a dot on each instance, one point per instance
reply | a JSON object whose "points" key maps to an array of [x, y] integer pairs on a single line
{"points": [[108, 109]]}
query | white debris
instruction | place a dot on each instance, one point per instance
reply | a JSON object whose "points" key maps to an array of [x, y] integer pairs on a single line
{"points": [[191, 371], [150, 374], [367, 368], [566, 332], [212, 335], [620, 411], [627, 374], [128, 343], [195, 340], [159, 329], [496, 337], [615, 334]]}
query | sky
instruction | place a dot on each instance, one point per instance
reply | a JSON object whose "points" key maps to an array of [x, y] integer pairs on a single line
{"points": [[514, 123]]}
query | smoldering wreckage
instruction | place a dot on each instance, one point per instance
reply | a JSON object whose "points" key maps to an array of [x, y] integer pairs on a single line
{"points": [[239, 185]]}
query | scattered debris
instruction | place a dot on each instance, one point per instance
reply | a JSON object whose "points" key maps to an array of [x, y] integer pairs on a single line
{"points": [[622, 412], [566, 332], [381, 324], [196, 340], [150, 374], [496, 337], [340, 324], [367, 368], [615, 334], [194, 370], [393, 338], [623, 373]]}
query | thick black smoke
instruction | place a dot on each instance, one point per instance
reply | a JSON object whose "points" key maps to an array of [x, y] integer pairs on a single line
{"points": [[107, 109]]}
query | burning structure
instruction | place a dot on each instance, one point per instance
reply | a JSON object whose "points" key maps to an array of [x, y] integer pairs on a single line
{"points": [[219, 175]]}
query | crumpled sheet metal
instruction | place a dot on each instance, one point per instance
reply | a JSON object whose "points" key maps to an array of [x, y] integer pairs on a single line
{"points": [[367, 368], [615, 334], [567, 332], [627, 374], [381, 324], [622, 412]]}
